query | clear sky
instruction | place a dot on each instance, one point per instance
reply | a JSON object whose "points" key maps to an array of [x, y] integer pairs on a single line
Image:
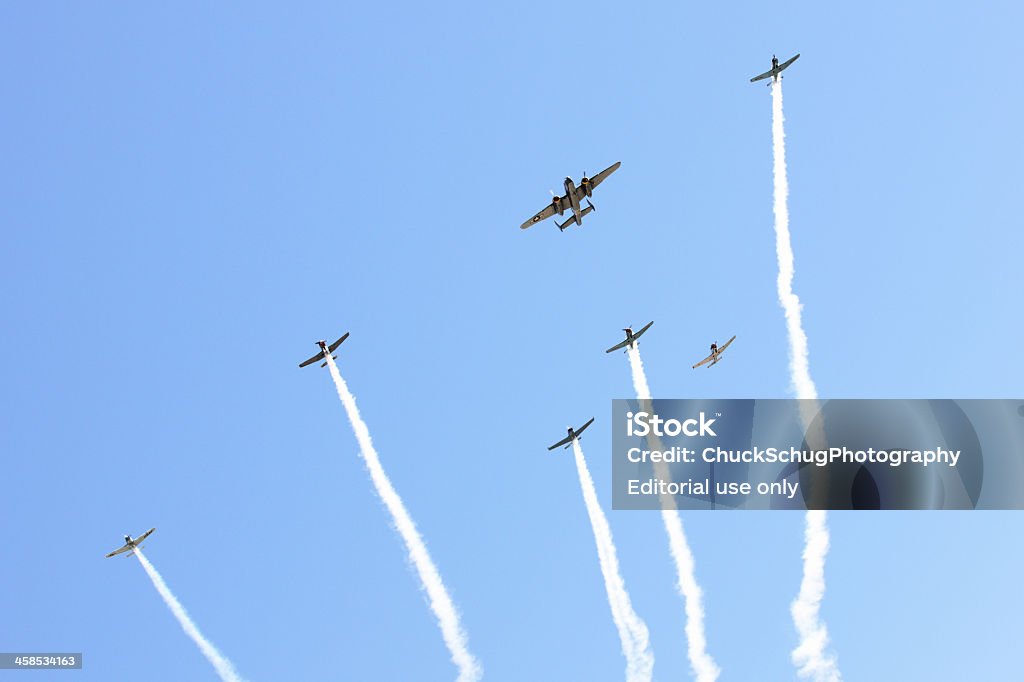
{"points": [[192, 195]]}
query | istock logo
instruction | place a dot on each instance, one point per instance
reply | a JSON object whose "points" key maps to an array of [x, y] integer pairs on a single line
{"points": [[644, 424]]}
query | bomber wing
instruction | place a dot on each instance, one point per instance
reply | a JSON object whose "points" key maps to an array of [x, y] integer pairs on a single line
{"points": [[600, 177], [546, 212]]}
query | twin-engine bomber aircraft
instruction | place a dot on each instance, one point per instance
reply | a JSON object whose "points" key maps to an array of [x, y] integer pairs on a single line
{"points": [[716, 354], [324, 350], [130, 545], [630, 337], [573, 435], [572, 198], [775, 70]]}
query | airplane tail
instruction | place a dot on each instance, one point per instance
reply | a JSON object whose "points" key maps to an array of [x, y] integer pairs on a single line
{"points": [[585, 211], [333, 357]]}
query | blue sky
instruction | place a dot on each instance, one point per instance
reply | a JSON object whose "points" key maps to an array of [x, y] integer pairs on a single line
{"points": [[192, 195]]}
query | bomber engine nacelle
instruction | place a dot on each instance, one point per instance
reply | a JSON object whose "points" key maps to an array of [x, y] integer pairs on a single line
{"points": [[556, 201], [586, 186]]}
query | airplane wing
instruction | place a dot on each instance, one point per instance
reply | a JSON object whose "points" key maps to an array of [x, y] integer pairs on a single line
{"points": [[567, 439], [337, 343], [645, 328], [599, 178], [726, 345], [138, 540], [544, 213], [118, 551], [318, 356], [761, 77], [618, 346], [704, 361], [583, 428], [788, 62]]}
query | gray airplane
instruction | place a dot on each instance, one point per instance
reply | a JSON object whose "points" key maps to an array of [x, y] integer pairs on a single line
{"points": [[776, 69], [573, 196], [130, 545], [630, 337], [573, 435], [324, 351]]}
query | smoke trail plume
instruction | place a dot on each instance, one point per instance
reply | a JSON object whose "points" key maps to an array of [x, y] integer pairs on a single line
{"points": [[632, 629], [221, 665], [440, 601], [704, 667], [809, 656], [799, 371]]}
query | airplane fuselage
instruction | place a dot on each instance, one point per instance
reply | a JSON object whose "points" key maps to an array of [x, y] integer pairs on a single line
{"points": [[574, 201]]}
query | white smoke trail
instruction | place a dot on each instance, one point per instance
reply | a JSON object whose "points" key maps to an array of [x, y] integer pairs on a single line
{"points": [[440, 601], [704, 667], [632, 629], [799, 371], [636, 368], [809, 656], [221, 665]]}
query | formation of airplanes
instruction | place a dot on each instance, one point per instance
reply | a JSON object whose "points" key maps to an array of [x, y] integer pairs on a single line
{"points": [[574, 196], [570, 201], [131, 545]]}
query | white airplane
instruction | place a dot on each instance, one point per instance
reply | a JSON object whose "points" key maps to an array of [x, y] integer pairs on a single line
{"points": [[572, 198], [630, 337], [573, 435], [324, 350], [716, 354], [130, 545]]}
